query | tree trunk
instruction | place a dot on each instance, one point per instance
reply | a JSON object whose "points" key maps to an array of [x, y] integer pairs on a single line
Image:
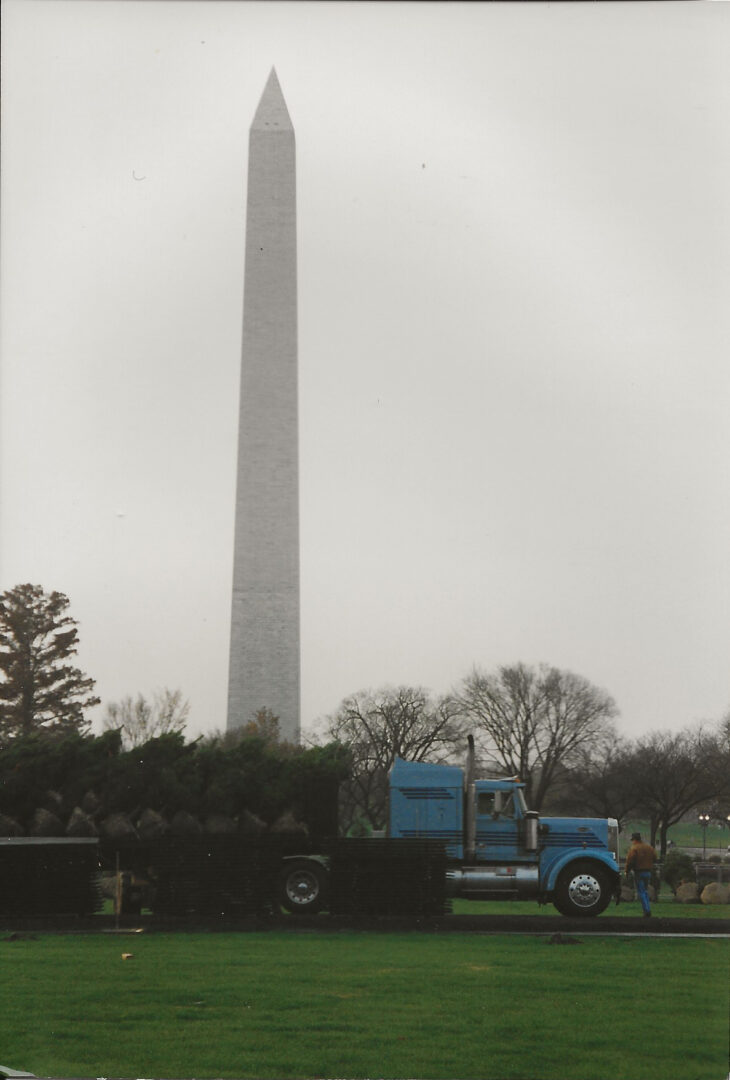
{"points": [[663, 839]]}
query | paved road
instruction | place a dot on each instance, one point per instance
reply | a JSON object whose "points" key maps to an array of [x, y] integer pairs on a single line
{"points": [[326, 924], [515, 924], [721, 851]]}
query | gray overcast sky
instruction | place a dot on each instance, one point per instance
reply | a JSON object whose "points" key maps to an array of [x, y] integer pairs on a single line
{"points": [[514, 253]]}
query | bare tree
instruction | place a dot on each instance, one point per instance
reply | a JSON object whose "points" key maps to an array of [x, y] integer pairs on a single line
{"points": [[599, 782], [724, 733], [675, 772], [140, 720], [378, 726], [721, 764], [264, 726], [533, 721]]}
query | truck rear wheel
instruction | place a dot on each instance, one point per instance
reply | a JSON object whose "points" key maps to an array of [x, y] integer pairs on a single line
{"points": [[303, 886], [582, 889]]}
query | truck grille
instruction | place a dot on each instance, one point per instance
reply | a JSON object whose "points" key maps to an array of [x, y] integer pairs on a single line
{"points": [[613, 837]]}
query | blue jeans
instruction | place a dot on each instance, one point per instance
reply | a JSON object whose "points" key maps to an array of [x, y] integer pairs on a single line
{"points": [[643, 880]]}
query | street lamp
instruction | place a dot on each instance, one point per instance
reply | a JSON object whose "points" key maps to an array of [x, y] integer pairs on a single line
{"points": [[704, 822]]}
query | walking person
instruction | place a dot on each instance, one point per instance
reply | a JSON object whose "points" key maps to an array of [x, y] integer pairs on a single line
{"points": [[641, 858]]}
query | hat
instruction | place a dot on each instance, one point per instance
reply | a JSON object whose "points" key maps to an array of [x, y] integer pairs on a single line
{"points": [[636, 836]]}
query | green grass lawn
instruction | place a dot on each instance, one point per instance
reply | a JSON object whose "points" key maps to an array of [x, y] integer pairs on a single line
{"points": [[685, 834], [364, 1005]]}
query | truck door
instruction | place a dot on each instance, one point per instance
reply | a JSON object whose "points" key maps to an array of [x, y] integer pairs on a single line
{"points": [[497, 828]]}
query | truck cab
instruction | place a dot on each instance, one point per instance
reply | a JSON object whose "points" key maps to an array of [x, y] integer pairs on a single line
{"points": [[497, 848]]}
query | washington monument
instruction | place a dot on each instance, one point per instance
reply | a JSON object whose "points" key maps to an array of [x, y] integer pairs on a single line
{"points": [[264, 655]]}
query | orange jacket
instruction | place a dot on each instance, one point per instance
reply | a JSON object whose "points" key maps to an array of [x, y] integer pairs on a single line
{"points": [[640, 857]]}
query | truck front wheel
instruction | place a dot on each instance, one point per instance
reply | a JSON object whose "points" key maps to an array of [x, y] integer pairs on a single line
{"points": [[303, 886], [583, 888]]}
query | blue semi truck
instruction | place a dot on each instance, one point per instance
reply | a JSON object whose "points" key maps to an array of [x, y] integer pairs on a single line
{"points": [[497, 849]]}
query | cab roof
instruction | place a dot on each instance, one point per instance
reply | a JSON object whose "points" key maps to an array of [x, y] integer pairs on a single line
{"points": [[425, 773]]}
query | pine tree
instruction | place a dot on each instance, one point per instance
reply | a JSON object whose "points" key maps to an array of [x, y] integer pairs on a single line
{"points": [[39, 689]]}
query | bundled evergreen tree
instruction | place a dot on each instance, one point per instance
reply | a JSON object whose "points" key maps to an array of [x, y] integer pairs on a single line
{"points": [[39, 689]]}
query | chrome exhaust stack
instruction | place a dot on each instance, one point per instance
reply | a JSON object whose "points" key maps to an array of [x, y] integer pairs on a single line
{"points": [[470, 825], [531, 823]]}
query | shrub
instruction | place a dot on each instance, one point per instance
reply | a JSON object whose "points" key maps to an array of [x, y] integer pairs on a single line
{"points": [[678, 867]]}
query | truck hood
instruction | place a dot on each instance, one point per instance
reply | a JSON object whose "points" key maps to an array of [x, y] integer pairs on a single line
{"points": [[574, 832]]}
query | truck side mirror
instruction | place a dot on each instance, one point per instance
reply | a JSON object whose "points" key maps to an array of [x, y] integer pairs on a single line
{"points": [[531, 828]]}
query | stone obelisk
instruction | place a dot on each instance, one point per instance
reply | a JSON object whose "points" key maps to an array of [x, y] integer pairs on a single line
{"points": [[264, 656]]}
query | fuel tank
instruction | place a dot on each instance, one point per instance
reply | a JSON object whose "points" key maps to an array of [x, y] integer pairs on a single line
{"points": [[492, 882]]}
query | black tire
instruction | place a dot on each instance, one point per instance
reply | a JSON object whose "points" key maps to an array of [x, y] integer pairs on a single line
{"points": [[583, 889], [303, 886]]}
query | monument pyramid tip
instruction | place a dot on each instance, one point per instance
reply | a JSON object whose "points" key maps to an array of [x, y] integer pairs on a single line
{"points": [[272, 113]]}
